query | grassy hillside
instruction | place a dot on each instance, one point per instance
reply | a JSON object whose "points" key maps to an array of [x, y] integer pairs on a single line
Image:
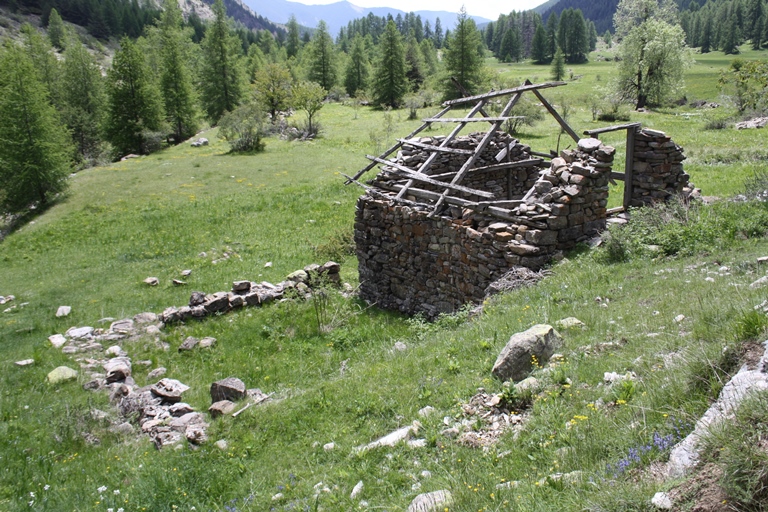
{"points": [[185, 207]]}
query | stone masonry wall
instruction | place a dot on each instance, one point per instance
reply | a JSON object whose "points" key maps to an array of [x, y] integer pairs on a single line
{"points": [[412, 263], [658, 173]]}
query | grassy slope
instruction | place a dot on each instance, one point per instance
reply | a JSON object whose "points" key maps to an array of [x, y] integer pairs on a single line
{"points": [[155, 215]]}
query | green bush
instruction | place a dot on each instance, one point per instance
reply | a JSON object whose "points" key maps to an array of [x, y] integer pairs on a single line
{"points": [[243, 128]]}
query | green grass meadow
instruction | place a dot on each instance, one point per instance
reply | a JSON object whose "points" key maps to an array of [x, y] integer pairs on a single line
{"points": [[184, 208]]}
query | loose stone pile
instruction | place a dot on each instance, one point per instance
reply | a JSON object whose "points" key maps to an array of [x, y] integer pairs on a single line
{"points": [[248, 293], [658, 169]]}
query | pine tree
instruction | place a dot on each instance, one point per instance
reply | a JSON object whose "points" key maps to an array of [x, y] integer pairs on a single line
{"points": [[222, 75], [558, 65], [82, 99], [539, 45], [414, 64], [463, 57], [438, 34], [35, 153], [389, 80], [178, 94], [552, 30], [730, 40], [322, 58], [511, 46], [134, 105], [706, 32], [56, 31], [293, 42], [47, 65], [358, 67]]}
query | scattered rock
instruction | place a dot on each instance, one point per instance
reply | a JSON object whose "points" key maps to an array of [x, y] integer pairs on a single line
{"points": [[661, 501], [221, 408], [152, 281], [221, 444], [178, 282], [169, 390], [145, 318], [679, 318], [431, 501], [329, 446], [125, 429], [760, 282], [61, 374], [400, 346], [536, 345], [157, 372], [570, 323], [117, 369], [77, 333], [188, 344], [124, 326], [186, 273], [63, 311], [207, 342], [115, 351], [614, 378], [241, 286], [57, 340], [393, 438], [25, 362], [427, 411], [757, 122], [230, 388], [356, 490]]}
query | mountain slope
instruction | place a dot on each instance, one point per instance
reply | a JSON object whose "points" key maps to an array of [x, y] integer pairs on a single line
{"points": [[337, 15], [599, 11]]}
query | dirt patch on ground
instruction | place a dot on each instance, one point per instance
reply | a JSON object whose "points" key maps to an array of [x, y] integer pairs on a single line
{"points": [[701, 492], [752, 353]]}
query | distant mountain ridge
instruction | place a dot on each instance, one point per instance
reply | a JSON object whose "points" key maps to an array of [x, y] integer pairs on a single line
{"points": [[337, 15]]}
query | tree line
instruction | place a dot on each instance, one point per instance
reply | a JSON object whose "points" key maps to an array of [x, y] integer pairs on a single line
{"points": [[725, 25]]}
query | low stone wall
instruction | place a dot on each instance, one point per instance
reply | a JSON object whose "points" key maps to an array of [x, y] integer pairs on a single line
{"points": [[414, 263], [658, 173]]}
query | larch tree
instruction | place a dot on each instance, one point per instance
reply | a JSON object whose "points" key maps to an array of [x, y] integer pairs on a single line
{"points": [[272, 88], [322, 58], [390, 82], [293, 41], [358, 68], [653, 54], [48, 67], [35, 149], [539, 45], [178, 94], [56, 31], [222, 74], [558, 65], [134, 105], [463, 57], [82, 99]]}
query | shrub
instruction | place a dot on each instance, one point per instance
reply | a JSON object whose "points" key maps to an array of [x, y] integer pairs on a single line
{"points": [[243, 128]]}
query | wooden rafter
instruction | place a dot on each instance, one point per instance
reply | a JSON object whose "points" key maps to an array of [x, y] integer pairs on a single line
{"points": [[470, 120], [431, 147], [410, 173], [490, 168], [554, 114], [505, 92]]}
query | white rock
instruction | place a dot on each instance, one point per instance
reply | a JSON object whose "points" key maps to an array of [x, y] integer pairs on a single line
{"points": [[393, 438], [400, 346], [63, 311], [79, 332], [329, 446], [268, 264], [57, 340], [426, 411], [356, 490], [25, 362], [759, 283], [115, 350], [431, 501], [661, 501], [679, 318], [426, 474], [570, 323], [277, 497], [221, 444], [152, 281]]}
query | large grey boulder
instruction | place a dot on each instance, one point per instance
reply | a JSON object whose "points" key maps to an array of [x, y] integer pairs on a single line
{"points": [[231, 388], [537, 344]]}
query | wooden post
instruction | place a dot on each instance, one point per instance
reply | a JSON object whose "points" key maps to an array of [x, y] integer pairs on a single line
{"points": [[629, 165]]}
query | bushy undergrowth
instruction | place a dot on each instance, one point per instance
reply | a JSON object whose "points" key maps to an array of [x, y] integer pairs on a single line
{"points": [[681, 229]]}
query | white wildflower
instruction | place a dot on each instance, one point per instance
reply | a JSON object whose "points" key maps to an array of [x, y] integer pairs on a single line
{"points": [[46, 487], [116, 492], [101, 489]]}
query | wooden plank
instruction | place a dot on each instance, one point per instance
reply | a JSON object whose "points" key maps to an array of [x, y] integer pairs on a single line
{"points": [[410, 173], [431, 147], [494, 167], [456, 130], [505, 92], [613, 211], [554, 114], [617, 175], [549, 155], [479, 149], [380, 195], [613, 128], [398, 145], [470, 119], [629, 167]]}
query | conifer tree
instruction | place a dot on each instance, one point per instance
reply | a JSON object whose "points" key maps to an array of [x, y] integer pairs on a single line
{"points": [[47, 65], [293, 41], [558, 65], [178, 94], [511, 45], [322, 58], [438, 36], [414, 64], [56, 32], [82, 99], [390, 82], [35, 153], [539, 45], [222, 75], [134, 105], [357, 73], [463, 57]]}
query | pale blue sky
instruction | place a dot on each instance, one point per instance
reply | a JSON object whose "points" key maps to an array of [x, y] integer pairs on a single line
{"points": [[487, 8]]}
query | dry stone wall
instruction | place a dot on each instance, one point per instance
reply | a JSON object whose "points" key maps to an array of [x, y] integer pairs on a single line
{"points": [[414, 263], [658, 173]]}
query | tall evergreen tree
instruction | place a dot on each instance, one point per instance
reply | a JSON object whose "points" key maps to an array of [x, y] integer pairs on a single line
{"points": [[35, 150], [558, 65], [511, 45], [222, 77], [705, 39], [134, 105], [56, 31], [358, 67], [47, 65], [178, 94], [463, 57], [730, 40], [389, 81], [539, 46], [414, 64], [293, 41], [552, 31], [438, 34], [322, 58], [82, 99]]}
